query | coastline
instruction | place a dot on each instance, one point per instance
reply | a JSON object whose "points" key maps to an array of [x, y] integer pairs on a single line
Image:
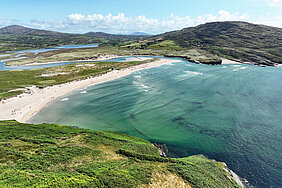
{"points": [[26, 105]]}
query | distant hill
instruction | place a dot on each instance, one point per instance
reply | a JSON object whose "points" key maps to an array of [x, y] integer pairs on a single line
{"points": [[112, 36], [234, 40], [24, 38], [140, 34], [21, 30]]}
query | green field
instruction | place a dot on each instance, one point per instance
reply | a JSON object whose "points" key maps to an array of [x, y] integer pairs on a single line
{"points": [[50, 155]]}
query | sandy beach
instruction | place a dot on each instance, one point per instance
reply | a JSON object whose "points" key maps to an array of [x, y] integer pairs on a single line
{"points": [[227, 61], [26, 105]]}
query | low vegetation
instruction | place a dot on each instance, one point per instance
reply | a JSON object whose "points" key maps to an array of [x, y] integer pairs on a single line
{"points": [[50, 155]]}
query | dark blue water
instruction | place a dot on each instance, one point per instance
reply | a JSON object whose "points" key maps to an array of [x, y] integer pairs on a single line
{"points": [[231, 113]]}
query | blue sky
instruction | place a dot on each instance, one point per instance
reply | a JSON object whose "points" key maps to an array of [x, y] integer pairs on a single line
{"points": [[125, 16]]}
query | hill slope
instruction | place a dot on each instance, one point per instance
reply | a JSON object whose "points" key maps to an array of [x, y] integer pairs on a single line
{"points": [[140, 34], [234, 40], [21, 30], [114, 37], [59, 156]]}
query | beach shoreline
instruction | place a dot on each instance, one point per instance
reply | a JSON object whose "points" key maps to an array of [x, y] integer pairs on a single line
{"points": [[24, 106]]}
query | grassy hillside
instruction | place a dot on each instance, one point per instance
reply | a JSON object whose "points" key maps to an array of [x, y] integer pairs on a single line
{"points": [[233, 40], [17, 42], [50, 155]]}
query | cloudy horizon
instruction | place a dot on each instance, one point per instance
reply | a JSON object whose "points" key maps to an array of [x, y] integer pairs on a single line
{"points": [[118, 22]]}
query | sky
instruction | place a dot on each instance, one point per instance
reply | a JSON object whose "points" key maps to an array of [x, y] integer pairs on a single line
{"points": [[128, 16]]}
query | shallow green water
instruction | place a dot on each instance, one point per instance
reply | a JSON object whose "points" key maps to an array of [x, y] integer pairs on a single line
{"points": [[231, 113]]}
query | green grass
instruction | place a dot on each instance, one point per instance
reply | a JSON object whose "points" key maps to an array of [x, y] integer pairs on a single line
{"points": [[6, 95], [167, 44], [50, 155], [202, 172]]}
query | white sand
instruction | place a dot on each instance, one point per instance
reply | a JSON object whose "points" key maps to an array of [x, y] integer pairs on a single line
{"points": [[24, 106], [227, 61]]}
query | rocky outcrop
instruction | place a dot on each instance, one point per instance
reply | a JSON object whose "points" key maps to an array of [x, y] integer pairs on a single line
{"points": [[162, 149], [202, 61]]}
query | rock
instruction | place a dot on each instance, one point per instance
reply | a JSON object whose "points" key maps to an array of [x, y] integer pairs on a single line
{"points": [[162, 149]]}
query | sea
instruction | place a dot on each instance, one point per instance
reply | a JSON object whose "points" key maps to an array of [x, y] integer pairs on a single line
{"points": [[230, 113]]}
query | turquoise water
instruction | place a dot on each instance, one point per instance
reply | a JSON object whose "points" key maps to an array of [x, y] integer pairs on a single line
{"points": [[231, 113]]}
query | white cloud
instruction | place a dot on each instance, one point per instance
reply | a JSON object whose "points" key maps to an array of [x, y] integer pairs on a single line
{"points": [[120, 23], [5, 22], [269, 19], [275, 3]]}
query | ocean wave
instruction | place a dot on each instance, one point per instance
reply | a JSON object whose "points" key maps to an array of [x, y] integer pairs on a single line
{"points": [[140, 84], [193, 72], [144, 86], [138, 76], [242, 68]]}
